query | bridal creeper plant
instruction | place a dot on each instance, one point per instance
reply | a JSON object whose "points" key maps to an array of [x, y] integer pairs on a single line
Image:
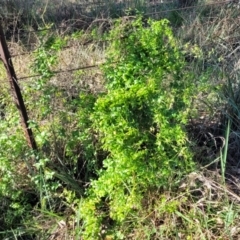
{"points": [[140, 122], [14, 199], [46, 58], [68, 144]]}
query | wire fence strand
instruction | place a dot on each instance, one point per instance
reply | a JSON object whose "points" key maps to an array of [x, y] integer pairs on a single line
{"points": [[63, 71], [92, 41], [174, 9]]}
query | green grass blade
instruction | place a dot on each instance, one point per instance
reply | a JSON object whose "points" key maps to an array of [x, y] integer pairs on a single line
{"points": [[225, 150]]}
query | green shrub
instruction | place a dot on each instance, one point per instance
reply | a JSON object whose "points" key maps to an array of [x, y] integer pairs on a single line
{"points": [[68, 152], [14, 195], [140, 122]]}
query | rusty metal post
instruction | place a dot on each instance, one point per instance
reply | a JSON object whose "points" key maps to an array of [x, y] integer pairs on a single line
{"points": [[6, 58]]}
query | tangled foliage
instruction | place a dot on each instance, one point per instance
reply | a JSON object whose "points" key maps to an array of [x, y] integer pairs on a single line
{"points": [[140, 122]]}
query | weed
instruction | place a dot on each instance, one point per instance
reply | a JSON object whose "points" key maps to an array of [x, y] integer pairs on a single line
{"points": [[139, 122]]}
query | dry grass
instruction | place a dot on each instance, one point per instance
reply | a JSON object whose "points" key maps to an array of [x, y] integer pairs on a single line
{"points": [[202, 208]]}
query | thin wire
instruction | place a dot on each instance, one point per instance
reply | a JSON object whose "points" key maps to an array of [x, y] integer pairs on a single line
{"points": [[97, 65], [108, 40], [152, 13], [71, 46], [71, 70], [62, 71], [98, 41], [190, 7], [68, 70], [104, 41], [146, 14]]}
